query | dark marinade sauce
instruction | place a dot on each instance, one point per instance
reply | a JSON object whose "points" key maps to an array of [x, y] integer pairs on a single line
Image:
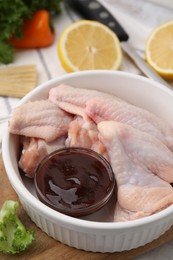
{"points": [[72, 180]]}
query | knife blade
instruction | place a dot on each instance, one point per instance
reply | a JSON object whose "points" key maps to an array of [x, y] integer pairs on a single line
{"points": [[94, 10]]}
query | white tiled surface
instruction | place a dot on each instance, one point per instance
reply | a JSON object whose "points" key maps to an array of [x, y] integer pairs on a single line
{"points": [[138, 18]]}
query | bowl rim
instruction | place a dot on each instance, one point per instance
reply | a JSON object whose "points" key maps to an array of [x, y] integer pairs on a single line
{"points": [[49, 213]]}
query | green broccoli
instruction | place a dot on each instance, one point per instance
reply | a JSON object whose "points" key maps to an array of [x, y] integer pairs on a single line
{"points": [[14, 237]]}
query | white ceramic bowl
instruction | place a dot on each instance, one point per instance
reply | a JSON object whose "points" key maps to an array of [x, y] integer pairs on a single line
{"points": [[86, 233]]}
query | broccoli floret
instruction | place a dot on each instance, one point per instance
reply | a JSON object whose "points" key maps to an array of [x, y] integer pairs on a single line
{"points": [[14, 237]]}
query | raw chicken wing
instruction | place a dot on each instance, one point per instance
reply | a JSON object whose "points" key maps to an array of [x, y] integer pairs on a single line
{"points": [[140, 192], [34, 150], [75, 96], [83, 133], [41, 119], [100, 109]]}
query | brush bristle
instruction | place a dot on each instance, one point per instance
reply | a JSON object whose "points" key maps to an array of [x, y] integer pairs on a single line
{"points": [[17, 81]]}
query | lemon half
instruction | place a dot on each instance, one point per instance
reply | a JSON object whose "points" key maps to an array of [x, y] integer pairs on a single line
{"points": [[89, 45], [159, 50]]}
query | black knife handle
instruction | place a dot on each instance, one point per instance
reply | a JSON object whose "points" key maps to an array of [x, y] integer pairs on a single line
{"points": [[93, 10]]}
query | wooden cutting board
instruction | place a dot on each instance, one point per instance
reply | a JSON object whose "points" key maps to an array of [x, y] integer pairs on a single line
{"points": [[45, 247]]}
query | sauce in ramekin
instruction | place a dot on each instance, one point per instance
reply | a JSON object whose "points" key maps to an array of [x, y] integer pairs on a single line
{"points": [[75, 181]]}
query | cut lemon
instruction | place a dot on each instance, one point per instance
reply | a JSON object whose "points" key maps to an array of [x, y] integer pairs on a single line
{"points": [[159, 50], [89, 45]]}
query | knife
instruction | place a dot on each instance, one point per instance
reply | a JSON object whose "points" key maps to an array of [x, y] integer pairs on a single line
{"points": [[94, 10]]}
